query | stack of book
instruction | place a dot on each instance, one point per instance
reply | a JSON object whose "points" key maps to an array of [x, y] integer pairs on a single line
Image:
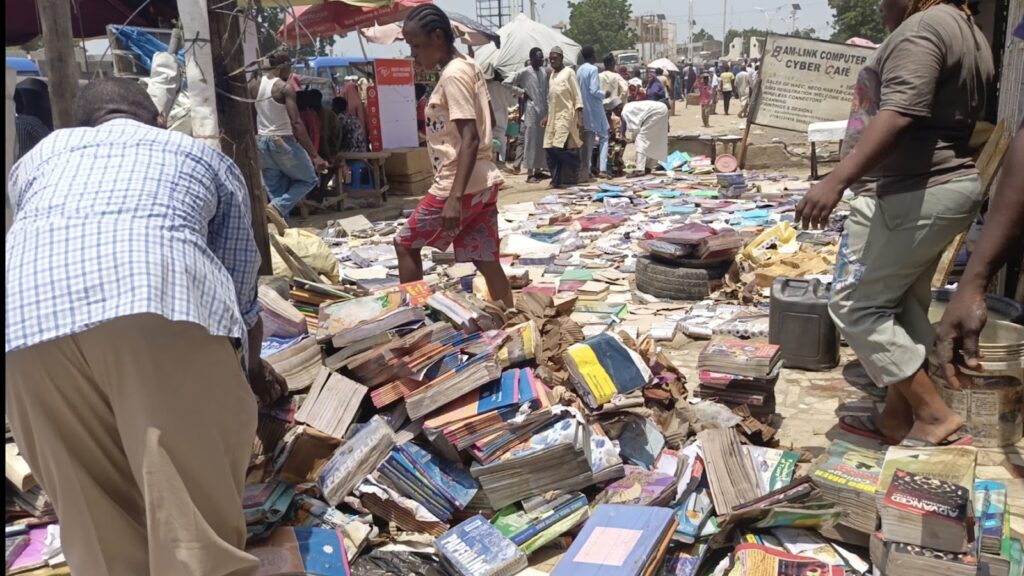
{"points": [[602, 366], [926, 503], [848, 476], [280, 317], [640, 487], [926, 512], [481, 412], [999, 553], [298, 363], [348, 322], [332, 403], [476, 548], [440, 486], [386, 502], [395, 357], [620, 540], [464, 311], [463, 379], [355, 460], [738, 373], [566, 455], [316, 550], [532, 528], [731, 473]]}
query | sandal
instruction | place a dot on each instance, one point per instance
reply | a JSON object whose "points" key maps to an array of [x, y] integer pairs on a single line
{"points": [[958, 438], [865, 427]]}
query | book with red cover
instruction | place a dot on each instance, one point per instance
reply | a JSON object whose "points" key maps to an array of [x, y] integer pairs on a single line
{"points": [[926, 511]]}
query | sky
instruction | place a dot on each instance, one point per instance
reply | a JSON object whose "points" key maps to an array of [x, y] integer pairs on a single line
{"points": [[708, 14]]}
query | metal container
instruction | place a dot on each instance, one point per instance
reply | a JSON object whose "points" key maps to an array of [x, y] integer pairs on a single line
{"points": [[800, 324]]}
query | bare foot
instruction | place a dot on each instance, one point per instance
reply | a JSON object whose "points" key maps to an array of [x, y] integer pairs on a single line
{"points": [[934, 421], [897, 418], [935, 426]]}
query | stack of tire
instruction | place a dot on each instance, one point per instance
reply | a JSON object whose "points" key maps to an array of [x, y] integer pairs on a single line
{"points": [[680, 279]]}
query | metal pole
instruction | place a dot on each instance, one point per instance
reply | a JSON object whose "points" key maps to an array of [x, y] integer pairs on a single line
{"points": [[689, 43], [725, 14]]}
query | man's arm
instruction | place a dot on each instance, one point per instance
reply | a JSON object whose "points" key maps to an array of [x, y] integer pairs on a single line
{"points": [[594, 87], [230, 239], [966, 314], [878, 141]]}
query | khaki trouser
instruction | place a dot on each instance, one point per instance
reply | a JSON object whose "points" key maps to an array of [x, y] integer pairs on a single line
{"points": [[139, 430], [887, 256]]}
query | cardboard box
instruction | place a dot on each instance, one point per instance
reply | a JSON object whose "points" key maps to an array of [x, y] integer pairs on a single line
{"points": [[417, 188], [407, 161]]}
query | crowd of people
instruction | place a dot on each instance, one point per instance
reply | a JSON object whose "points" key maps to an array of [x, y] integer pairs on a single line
{"points": [[574, 123]]}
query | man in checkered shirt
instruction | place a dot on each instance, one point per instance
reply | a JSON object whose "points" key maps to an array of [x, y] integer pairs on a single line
{"points": [[131, 295]]}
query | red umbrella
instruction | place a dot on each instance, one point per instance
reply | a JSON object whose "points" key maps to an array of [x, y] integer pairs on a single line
{"points": [[338, 18], [89, 18]]}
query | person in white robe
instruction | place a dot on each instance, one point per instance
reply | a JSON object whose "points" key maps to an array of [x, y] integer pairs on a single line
{"points": [[646, 123]]}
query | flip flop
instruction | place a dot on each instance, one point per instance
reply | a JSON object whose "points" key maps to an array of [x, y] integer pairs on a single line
{"points": [[856, 376], [864, 426], [958, 438]]}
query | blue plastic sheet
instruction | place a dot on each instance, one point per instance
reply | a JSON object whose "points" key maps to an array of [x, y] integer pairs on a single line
{"points": [[144, 45]]}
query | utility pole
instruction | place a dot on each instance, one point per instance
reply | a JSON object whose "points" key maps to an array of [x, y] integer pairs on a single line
{"points": [[62, 71], [195, 22], [725, 31], [689, 41], [235, 115]]}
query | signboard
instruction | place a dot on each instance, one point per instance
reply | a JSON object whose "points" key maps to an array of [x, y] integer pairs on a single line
{"points": [[803, 81], [391, 106]]}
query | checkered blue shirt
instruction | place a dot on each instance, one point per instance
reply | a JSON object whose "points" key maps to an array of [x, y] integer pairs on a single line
{"points": [[127, 219]]}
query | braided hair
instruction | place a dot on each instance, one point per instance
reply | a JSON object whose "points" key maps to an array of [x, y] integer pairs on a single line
{"points": [[427, 18], [916, 6]]}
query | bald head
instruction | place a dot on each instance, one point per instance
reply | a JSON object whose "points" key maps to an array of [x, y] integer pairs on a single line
{"points": [[109, 98]]}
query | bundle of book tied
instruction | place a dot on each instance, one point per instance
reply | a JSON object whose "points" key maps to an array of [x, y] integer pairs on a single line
{"points": [[926, 506], [738, 373]]}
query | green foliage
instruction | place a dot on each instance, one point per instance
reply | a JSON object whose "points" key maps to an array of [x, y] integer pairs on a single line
{"points": [[269, 21], [602, 24], [858, 18], [702, 35]]}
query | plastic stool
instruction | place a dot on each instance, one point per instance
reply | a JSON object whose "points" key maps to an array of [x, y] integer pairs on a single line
{"points": [[362, 176]]}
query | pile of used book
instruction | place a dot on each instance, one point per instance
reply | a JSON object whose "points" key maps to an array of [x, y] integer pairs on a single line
{"points": [[737, 373], [427, 431], [32, 531]]}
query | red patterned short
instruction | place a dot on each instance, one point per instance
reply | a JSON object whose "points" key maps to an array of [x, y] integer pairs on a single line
{"points": [[476, 240]]}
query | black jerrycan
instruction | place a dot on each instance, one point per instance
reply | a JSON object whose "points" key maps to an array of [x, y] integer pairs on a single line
{"points": [[799, 322]]}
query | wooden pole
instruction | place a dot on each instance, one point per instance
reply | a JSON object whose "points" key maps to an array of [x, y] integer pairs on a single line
{"points": [[199, 70], [62, 70], [236, 115]]}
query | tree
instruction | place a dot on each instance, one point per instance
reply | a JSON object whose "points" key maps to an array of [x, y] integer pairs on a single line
{"points": [[858, 18], [269, 21], [702, 35], [602, 24]]}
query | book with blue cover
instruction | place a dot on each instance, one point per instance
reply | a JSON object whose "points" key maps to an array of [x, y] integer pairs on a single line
{"points": [[602, 366], [533, 530], [441, 486], [476, 548], [291, 550], [619, 540]]}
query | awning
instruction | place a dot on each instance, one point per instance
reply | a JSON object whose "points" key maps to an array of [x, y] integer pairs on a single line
{"points": [[89, 18], [334, 18], [469, 31]]}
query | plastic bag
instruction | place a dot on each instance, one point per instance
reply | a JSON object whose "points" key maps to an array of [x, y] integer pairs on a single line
{"points": [[313, 251]]}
